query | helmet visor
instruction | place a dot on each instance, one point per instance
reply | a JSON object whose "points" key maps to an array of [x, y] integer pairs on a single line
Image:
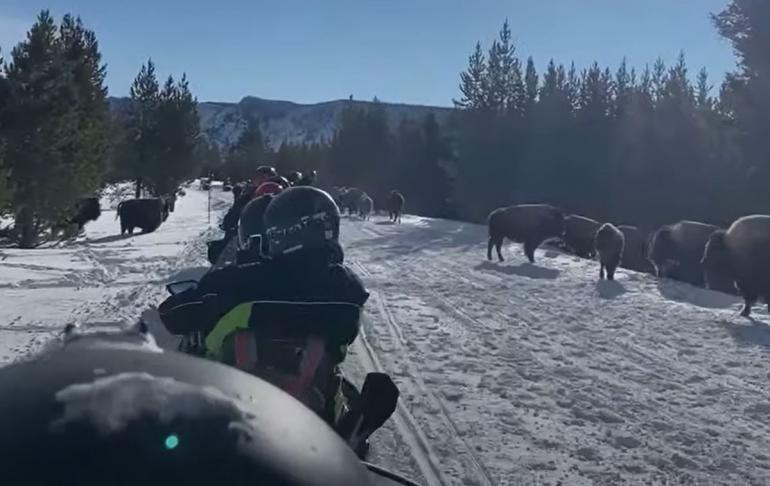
{"points": [[307, 233]]}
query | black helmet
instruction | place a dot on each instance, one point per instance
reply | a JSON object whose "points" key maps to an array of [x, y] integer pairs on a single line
{"points": [[302, 220], [280, 180], [294, 177], [251, 222], [127, 414]]}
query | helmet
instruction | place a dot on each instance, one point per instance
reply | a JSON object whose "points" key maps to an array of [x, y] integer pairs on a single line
{"points": [[123, 415], [300, 220], [294, 177], [282, 181], [268, 187], [251, 220], [266, 171], [262, 174]]}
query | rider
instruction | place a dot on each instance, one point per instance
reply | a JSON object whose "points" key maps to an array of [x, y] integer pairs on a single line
{"points": [[125, 415], [262, 175], [288, 313]]}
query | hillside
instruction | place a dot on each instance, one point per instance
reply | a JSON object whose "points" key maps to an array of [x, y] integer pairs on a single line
{"points": [[284, 120]]}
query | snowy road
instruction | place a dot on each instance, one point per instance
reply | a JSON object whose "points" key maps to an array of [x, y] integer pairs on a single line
{"points": [[538, 374], [510, 373]]}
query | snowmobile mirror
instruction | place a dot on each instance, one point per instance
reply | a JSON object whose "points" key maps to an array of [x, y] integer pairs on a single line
{"points": [[182, 286], [379, 397], [375, 404]]}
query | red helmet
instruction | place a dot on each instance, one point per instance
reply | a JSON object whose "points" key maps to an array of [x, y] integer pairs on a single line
{"points": [[268, 188]]}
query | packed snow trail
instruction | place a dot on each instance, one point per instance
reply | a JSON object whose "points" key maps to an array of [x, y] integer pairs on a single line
{"points": [[540, 374], [102, 280]]}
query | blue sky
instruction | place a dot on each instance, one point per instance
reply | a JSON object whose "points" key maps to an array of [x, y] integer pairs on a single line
{"points": [[398, 50]]}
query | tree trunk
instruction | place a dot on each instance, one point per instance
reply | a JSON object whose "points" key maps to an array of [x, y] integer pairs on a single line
{"points": [[138, 193], [25, 228]]}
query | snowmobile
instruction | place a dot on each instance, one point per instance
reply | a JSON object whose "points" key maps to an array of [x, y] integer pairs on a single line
{"points": [[131, 358]]}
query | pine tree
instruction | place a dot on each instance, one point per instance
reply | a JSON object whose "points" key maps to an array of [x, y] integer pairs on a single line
{"points": [[246, 155], [178, 133], [746, 94], [142, 125], [55, 123], [531, 84]]}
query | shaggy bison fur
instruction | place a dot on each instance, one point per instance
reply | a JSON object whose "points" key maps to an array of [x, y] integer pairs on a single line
{"points": [[609, 243], [530, 224], [635, 250], [676, 250], [579, 233], [395, 206], [145, 214], [741, 255]]}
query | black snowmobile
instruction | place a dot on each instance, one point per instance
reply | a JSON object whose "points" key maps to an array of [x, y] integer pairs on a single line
{"points": [[173, 418]]}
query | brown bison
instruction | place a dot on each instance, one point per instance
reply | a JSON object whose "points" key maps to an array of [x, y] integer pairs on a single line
{"points": [[395, 206], [609, 243], [741, 255], [530, 224], [635, 250], [579, 233], [146, 214], [676, 250], [87, 209]]}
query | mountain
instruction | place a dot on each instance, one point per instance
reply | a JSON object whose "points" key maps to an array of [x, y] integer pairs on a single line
{"points": [[287, 121]]}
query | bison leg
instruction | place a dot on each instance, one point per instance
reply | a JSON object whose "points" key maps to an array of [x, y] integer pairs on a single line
{"points": [[749, 300], [490, 244], [611, 272], [601, 271], [529, 250]]}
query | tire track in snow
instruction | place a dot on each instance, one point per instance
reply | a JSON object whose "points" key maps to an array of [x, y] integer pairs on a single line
{"points": [[419, 445], [482, 473]]}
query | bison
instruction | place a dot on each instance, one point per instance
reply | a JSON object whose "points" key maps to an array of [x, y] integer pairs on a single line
{"points": [[87, 209], [146, 214], [350, 199], [579, 233], [741, 255], [365, 206], [609, 243], [676, 250], [530, 224], [635, 250], [395, 206]]}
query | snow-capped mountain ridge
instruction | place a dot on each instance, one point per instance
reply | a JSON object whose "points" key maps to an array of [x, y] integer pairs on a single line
{"points": [[281, 121]]}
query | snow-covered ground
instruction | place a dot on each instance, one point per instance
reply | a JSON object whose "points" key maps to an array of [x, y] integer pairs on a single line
{"points": [[102, 280], [540, 374], [510, 373]]}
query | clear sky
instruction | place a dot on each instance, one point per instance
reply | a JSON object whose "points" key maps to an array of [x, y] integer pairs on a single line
{"points": [[409, 51]]}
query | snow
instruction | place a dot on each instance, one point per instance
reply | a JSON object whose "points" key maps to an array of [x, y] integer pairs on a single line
{"points": [[103, 280], [112, 403], [510, 373], [516, 373]]}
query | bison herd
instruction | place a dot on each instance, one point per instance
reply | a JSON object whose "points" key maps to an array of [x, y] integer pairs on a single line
{"points": [[146, 214], [354, 201], [701, 254]]}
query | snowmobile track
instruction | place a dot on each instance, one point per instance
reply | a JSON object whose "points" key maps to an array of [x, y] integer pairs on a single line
{"points": [[419, 445], [483, 475]]}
